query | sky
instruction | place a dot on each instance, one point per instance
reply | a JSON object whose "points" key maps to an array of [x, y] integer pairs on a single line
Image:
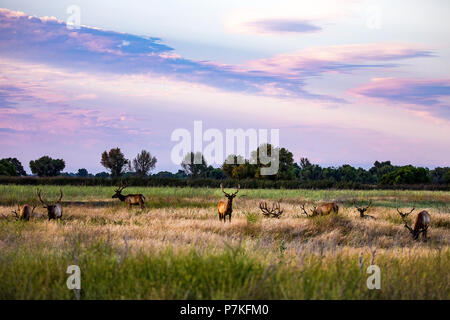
{"points": [[345, 83]]}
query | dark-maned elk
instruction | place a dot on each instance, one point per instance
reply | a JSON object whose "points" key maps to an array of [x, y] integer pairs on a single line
{"points": [[275, 212], [322, 209], [54, 211], [24, 213], [130, 199], [225, 207], [421, 224], [362, 210]]}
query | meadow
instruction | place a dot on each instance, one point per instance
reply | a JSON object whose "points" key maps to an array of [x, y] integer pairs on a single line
{"points": [[176, 248]]}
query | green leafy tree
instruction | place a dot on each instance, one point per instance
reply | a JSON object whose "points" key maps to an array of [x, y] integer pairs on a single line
{"points": [[47, 167], [194, 165], [406, 175], [144, 163], [6, 168], [17, 166], [82, 173], [231, 162], [115, 161]]}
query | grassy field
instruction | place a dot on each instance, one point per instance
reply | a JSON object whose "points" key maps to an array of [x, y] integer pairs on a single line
{"points": [[177, 248]]}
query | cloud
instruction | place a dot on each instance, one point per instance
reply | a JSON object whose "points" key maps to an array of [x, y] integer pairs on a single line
{"points": [[47, 40], [280, 26], [431, 95], [338, 59]]}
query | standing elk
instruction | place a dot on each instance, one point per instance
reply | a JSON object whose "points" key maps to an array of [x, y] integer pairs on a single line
{"points": [[130, 199], [322, 209], [24, 213], [362, 210], [421, 224], [275, 212], [54, 211], [225, 207]]}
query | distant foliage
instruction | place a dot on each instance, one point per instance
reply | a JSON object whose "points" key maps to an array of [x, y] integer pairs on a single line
{"points": [[6, 168], [144, 163], [115, 161], [194, 165], [406, 175], [47, 167]]}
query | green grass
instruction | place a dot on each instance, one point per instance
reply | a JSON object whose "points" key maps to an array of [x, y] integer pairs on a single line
{"points": [[160, 197], [112, 273]]}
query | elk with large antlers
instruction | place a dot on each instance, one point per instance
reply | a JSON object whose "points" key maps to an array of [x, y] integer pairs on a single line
{"points": [[362, 210], [322, 209], [225, 207], [54, 211], [130, 199], [24, 212], [275, 212], [421, 224]]}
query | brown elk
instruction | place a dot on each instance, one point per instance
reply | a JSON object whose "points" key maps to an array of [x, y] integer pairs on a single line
{"points": [[225, 207], [421, 224], [130, 199], [322, 209], [362, 210], [54, 211], [24, 213], [275, 212]]}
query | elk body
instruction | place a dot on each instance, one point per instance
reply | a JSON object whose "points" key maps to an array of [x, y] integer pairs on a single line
{"points": [[225, 207], [54, 211], [130, 199], [322, 209], [421, 224], [24, 213]]}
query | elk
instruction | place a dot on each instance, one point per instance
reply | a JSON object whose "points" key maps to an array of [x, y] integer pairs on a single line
{"points": [[322, 209], [24, 213], [54, 211], [275, 212], [362, 210], [225, 207], [421, 224], [130, 199]]}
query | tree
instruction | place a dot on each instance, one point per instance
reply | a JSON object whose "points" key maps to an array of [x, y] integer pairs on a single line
{"points": [[194, 165], [6, 168], [82, 172], [17, 166], [115, 161], [102, 174], [406, 175], [144, 163], [231, 162], [47, 167], [285, 161]]}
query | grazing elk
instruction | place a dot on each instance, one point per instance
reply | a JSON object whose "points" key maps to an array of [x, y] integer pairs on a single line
{"points": [[275, 212], [225, 207], [54, 211], [421, 224], [362, 210], [130, 199], [322, 210], [24, 213]]}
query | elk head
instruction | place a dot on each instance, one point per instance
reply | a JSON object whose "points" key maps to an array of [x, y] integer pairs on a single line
{"points": [[54, 210], [274, 212], [229, 196], [118, 191], [362, 210]]}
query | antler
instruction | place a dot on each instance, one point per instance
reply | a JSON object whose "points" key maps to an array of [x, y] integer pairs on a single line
{"points": [[304, 210], [122, 186], [275, 212], [221, 187], [404, 215], [227, 194], [16, 213], [60, 196], [39, 196], [362, 209], [237, 190]]}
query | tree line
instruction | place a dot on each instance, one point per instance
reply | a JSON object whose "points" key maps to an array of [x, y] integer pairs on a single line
{"points": [[235, 167]]}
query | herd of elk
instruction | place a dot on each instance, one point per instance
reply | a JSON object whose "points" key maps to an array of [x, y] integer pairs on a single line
{"points": [[421, 224], [130, 199], [321, 210], [225, 207], [54, 211]]}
